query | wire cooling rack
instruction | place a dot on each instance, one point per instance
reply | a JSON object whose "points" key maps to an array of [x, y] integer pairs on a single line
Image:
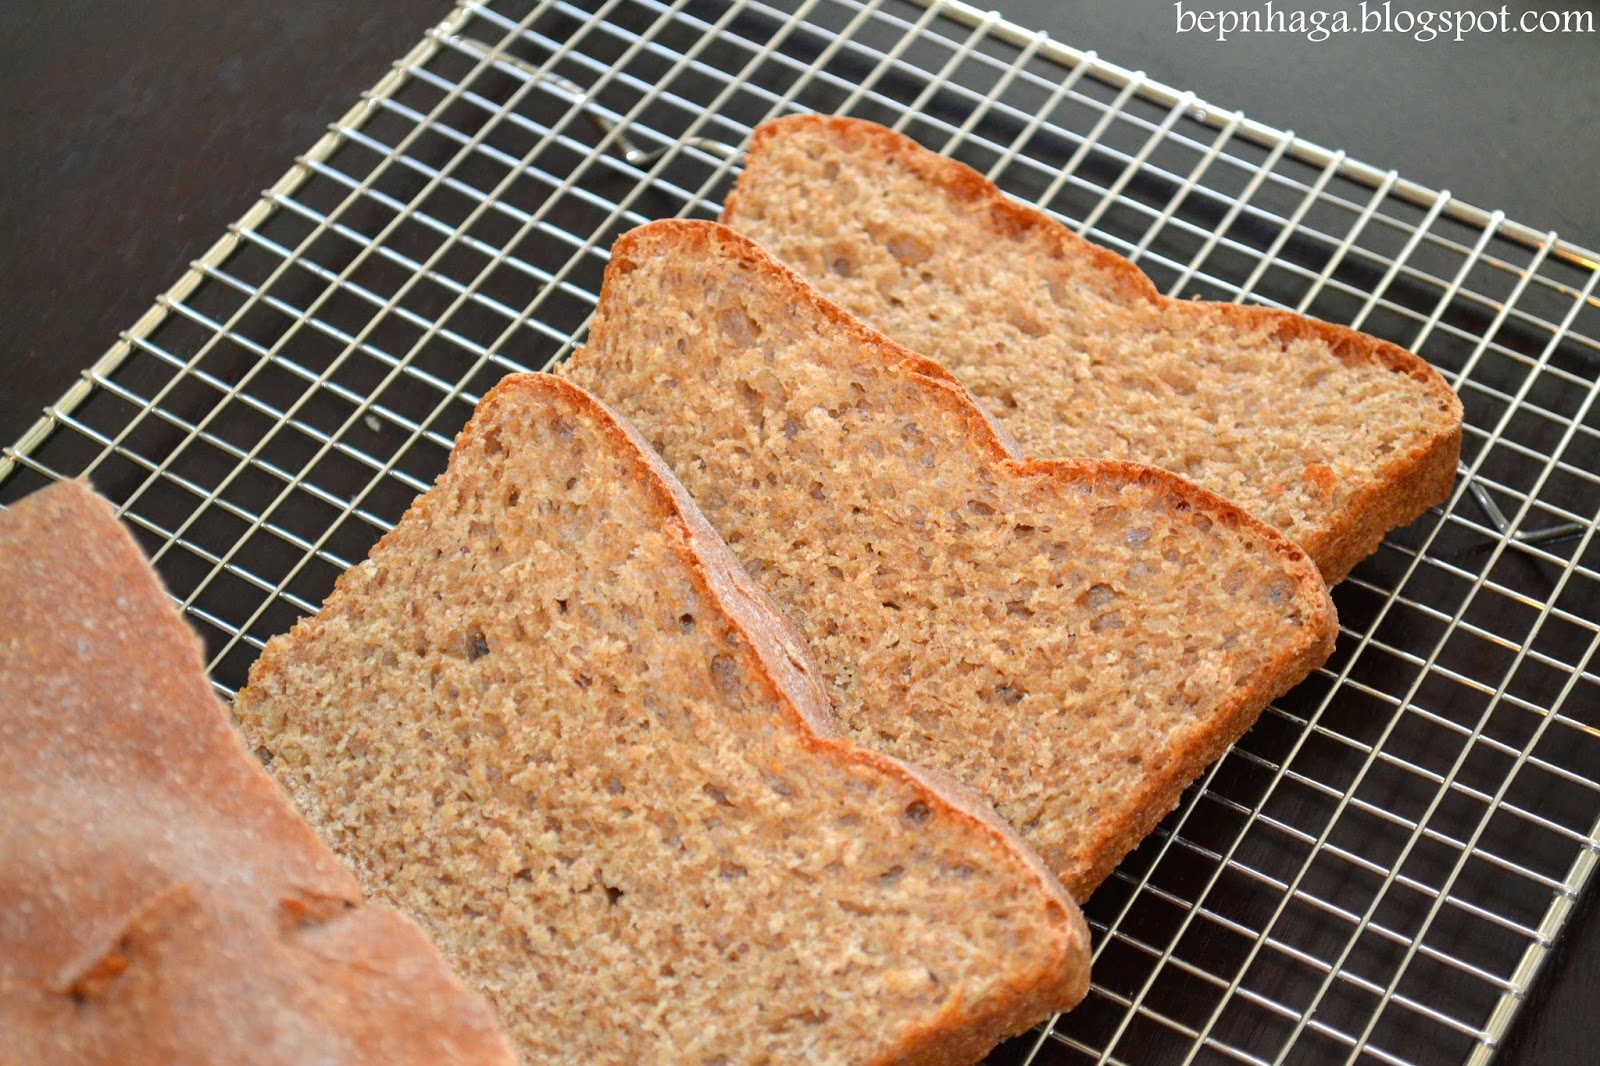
{"points": [[1375, 872]]}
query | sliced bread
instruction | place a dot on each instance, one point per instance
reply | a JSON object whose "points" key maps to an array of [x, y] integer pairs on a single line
{"points": [[160, 900], [552, 717], [1332, 436], [1077, 640]]}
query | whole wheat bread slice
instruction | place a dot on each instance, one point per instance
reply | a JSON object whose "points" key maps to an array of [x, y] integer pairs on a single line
{"points": [[1330, 435], [1076, 639], [160, 900], [551, 717]]}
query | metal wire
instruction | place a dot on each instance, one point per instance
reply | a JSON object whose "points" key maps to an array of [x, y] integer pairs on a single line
{"points": [[1376, 872]]}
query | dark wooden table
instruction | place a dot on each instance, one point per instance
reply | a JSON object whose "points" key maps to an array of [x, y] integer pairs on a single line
{"points": [[134, 134]]}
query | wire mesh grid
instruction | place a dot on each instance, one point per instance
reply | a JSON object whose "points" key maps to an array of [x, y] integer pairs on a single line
{"points": [[1375, 872]]}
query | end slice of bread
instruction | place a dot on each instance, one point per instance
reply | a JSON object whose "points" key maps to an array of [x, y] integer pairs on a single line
{"points": [[1332, 436], [551, 717], [160, 900], [1076, 639]]}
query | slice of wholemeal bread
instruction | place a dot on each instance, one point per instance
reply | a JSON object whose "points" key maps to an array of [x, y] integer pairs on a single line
{"points": [[1077, 640], [552, 717], [1330, 435], [160, 901]]}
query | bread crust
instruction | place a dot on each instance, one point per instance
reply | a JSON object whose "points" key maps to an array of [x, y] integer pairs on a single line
{"points": [[160, 900], [1400, 490], [1132, 816], [962, 1032]]}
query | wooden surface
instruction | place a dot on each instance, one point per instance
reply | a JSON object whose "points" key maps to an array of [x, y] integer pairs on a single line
{"points": [[134, 134]]}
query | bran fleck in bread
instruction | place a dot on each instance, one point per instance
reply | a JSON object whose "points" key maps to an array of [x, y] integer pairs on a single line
{"points": [[1333, 436], [160, 901], [1076, 640], [551, 717]]}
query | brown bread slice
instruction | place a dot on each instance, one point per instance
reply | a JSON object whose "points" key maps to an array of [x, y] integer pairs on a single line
{"points": [[551, 717], [160, 900], [1330, 435], [1076, 640]]}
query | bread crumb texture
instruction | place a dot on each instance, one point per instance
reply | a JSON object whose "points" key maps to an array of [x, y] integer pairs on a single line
{"points": [[550, 718], [1332, 436], [1075, 640], [160, 901]]}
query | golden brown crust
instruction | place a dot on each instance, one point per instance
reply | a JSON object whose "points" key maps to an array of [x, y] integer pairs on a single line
{"points": [[1398, 491], [163, 901], [1128, 818]]}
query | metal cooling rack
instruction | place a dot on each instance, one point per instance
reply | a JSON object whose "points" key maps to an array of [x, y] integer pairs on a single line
{"points": [[1376, 872]]}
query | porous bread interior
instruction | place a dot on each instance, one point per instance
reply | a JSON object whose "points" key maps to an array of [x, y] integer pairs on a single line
{"points": [[1076, 355], [528, 723], [1075, 641]]}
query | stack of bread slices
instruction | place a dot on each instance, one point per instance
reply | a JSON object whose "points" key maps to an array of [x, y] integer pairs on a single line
{"points": [[769, 683]]}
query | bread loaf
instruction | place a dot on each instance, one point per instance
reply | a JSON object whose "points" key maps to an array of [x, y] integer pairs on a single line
{"points": [[551, 717], [160, 901], [1330, 435], [1076, 639]]}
